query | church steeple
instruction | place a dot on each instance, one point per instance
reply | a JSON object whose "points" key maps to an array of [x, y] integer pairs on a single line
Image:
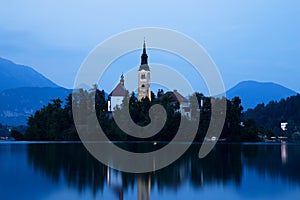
{"points": [[144, 77], [144, 57], [122, 80]]}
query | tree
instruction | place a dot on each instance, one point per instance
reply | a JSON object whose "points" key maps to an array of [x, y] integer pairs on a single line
{"points": [[55, 121], [271, 115], [160, 93], [17, 135], [52, 122], [195, 104]]}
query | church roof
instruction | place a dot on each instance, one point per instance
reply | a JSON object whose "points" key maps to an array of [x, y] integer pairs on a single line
{"points": [[175, 96], [144, 59], [118, 91], [144, 67]]}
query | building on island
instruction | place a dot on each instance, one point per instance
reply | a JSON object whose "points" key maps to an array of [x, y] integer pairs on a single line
{"points": [[116, 97], [175, 97], [144, 77]]}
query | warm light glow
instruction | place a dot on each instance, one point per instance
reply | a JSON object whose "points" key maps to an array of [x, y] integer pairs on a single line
{"points": [[284, 154], [108, 175]]}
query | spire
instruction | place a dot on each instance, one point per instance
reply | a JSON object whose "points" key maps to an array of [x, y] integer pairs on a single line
{"points": [[144, 57], [122, 80], [144, 47]]}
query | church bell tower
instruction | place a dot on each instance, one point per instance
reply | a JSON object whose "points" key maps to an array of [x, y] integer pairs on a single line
{"points": [[144, 77]]}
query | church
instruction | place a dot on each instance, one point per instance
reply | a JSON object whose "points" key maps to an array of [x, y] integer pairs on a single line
{"points": [[144, 77], [117, 95]]}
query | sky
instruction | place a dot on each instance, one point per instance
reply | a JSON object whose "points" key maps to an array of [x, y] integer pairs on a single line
{"points": [[247, 40]]}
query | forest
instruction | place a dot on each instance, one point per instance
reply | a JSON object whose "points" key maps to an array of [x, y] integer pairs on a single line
{"points": [[270, 116], [54, 122]]}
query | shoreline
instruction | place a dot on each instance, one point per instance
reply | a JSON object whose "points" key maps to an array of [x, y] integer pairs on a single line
{"points": [[145, 142]]}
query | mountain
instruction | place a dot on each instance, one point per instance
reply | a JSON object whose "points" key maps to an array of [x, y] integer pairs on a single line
{"points": [[14, 75], [253, 93], [23, 91], [17, 104]]}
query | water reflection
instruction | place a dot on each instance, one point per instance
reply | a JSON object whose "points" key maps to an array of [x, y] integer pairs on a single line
{"points": [[278, 161], [70, 162], [225, 166], [284, 154], [144, 188]]}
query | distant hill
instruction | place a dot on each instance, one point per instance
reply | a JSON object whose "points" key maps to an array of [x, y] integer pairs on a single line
{"points": [[253, 93], [17, 104], [23, 91], [14, 75]]}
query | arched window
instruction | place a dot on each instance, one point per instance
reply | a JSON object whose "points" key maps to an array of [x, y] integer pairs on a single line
{"points": [[143, 76], [143, 85]]}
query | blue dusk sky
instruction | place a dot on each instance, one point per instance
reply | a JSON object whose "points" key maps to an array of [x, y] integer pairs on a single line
{"points": [[248, 40]]}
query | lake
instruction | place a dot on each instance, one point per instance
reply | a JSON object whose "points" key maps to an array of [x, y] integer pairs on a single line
{"points": [[231, 171]]}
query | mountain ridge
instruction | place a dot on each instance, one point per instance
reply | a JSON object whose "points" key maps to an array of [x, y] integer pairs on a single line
{"points": [[23, 90], [253, 92], [14, 75]]}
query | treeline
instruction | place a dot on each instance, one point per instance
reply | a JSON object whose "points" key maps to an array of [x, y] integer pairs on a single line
{"points": [[269, 117], [4, 132], [235, 128], [54, 122]]}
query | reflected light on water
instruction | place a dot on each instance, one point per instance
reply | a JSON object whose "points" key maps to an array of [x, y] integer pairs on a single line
{"points": [[114, 182], [284, 154], [144, 188], [115, 185]]}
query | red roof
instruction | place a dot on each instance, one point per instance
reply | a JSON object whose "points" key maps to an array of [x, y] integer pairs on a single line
{"points": [[118, 91], [175, 96]]}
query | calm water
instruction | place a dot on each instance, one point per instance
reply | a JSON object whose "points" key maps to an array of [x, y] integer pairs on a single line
{"points": [[231, 171]]}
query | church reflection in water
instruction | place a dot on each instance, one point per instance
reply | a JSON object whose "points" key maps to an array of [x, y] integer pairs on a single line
{"points": [[224, 165], [114, 181]]}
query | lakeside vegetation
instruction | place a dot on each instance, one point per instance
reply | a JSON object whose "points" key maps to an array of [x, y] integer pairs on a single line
{"points": [[269, 117], [54, 122]]}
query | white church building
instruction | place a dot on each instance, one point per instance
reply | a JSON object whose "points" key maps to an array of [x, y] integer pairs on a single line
{"points": [[117, 95]]}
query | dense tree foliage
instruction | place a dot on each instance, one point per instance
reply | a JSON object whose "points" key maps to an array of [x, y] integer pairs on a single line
{"points": [[52, 122], [269, 117], [55, 121], [17, 135], [235, 128]]}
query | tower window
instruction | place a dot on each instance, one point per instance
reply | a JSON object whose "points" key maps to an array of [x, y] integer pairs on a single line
{"points": [[143, 85], [143, 76]]}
